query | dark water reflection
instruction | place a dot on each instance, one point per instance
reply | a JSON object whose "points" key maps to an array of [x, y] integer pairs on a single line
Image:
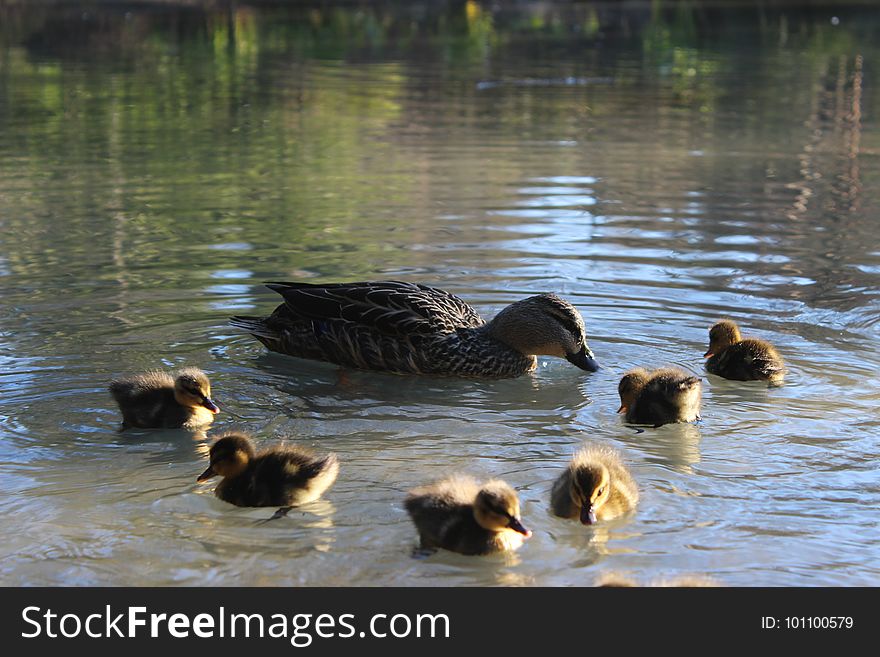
{"points": [[659, 166]]}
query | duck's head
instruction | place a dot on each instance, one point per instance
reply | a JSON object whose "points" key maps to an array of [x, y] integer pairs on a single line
{"points": [[721, 336], [230, 455], [632, 383], [545, 325], [193, 389], [497, 508], [590, 489], [614, 580]]}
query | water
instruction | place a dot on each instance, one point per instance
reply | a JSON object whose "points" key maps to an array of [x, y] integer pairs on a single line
{"points": [[659, 167]]}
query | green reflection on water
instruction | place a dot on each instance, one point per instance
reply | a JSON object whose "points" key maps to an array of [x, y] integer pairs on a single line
{"points": [[154, 131]]}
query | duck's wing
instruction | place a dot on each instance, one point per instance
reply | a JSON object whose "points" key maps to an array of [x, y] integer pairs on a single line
{"points": [[444, 522], [147, 383], [746, 360], [390, 307], [763, 358], [624, 492], [289, 477]]}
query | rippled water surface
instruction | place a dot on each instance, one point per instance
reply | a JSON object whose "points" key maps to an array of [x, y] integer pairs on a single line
{"points": [[659, 167]]}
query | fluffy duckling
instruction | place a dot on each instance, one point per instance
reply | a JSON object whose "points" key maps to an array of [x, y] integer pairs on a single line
{"points": [[688, 581], [663, 396], [595, 486], [732, 357], [281, 476], [155, 400], [616, 580], [460, 515]]}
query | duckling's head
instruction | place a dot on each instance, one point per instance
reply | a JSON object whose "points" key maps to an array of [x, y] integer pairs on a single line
{"points": [[614, 580], [721, 336], [590, 489], [632, 383], [192, 389], [230, 455], [545, 325], [497, 508]]}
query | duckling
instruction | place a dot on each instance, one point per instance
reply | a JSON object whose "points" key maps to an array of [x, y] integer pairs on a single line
{"points": [[399, 327], [155, 400], [732, 357], [616, 580], [688, 581], [595, 486], [281, 476], [460, 515], [663, 396]]}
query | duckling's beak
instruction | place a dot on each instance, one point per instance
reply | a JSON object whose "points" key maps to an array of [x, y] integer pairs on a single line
{"points": [[208, 403], [517, 526], [583, 359], [622, 409], [207, 474], [708, 353], [588, 516]]}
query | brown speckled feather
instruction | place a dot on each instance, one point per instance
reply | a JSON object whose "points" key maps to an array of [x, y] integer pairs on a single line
{"points": [[386, 325], [390, 307]]}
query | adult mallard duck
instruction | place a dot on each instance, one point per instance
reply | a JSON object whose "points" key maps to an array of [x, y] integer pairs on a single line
{"points": [[460, 515], [285, 476], [411, 328], [732, 357], [595, 486], [156, 400], [663, 396]]}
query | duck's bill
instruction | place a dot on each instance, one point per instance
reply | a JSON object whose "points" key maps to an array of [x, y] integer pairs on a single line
{"points": [[588, 516], [517, 526], [622, 409], [708, 354], [583, 359], [210, 405], [207, 474]]}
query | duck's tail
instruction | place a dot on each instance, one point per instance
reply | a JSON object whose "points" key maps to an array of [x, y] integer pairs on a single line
{"points": [[119, 389], [328, 467], [254, 325]]}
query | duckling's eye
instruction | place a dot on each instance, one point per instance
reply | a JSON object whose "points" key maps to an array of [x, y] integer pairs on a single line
{"points": [[502, 512]]}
